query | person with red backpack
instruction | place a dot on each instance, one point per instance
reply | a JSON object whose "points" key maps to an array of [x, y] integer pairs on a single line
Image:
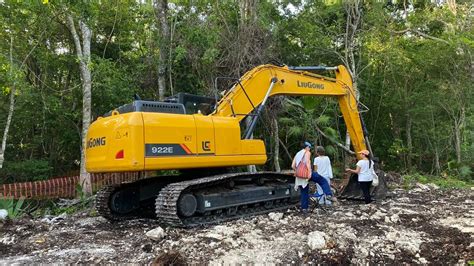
{"points": [[302, 166]]}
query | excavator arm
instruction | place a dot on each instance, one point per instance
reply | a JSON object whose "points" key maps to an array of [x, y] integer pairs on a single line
{"points": [[262, 82]]}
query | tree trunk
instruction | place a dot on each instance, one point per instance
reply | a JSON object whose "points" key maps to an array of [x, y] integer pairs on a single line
{"points": [[170, 55], [458, 116], [84, 58], [285, 149], [452, 6], [457, 138], [161, 7], [276, 151], [10, 109], [246, 50], [353, 21], [458, 124], [347, 143], [409, 143], [437, 165], [247, 10]]}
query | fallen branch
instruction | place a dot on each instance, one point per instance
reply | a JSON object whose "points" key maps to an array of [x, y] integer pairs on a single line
{"points": [[286, 150], [333, 141]]}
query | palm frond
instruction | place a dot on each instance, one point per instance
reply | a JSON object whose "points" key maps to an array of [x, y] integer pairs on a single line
{"points": [[323, 120], [295, 131], [330, 150], [331, 132], [285, 120]]}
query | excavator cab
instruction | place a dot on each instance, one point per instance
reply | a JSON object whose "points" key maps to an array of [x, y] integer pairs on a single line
{"points": [[192, 103]]}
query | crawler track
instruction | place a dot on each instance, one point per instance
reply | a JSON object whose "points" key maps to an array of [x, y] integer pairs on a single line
{"points": [[145, 209], [163, 202], [167, 207], [102, 204]]}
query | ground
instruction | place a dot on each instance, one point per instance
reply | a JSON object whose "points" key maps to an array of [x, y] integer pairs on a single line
{"points": [[423, 225]]}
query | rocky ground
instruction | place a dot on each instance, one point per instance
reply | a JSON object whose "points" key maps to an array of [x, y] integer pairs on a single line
{"points": [[424, 225]]}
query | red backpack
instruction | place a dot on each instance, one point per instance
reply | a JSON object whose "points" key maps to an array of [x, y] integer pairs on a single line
{"points": [[302, 169]]}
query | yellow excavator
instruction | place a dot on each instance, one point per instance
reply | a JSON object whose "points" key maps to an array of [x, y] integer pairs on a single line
{"points": [[148, 136]]}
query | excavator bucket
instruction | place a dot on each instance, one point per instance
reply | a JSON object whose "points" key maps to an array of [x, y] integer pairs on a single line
{"points": [[352, 190]]}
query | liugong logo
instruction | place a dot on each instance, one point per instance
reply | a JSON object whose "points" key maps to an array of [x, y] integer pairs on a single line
{"points": [[310, 85], [95, 142]]}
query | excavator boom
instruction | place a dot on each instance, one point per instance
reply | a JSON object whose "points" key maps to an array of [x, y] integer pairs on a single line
{"points": [[254, 88]]}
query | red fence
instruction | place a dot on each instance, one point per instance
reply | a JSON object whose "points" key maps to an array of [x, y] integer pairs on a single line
{"points": [[64, 187]]}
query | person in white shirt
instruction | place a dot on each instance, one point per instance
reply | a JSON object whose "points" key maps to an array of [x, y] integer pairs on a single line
{"points": [[322, 165], [364, 170]]}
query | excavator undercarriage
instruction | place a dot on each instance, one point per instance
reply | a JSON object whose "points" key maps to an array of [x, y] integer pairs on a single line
{"points": [[198, 201], [184, 201]]}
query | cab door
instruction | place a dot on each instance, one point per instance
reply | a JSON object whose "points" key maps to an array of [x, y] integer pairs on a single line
{"points": [[205, 140]]}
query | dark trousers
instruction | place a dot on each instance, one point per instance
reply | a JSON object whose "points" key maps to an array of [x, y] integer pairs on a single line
{"points": [[365, 186], [304, 192]]}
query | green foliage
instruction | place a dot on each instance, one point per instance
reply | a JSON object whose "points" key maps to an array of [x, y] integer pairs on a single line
{"points": [[30, 170], [80, 192], [330, 151], [13, 207], [323, 120], [463, 172], [57, 207], [112, 85], [448, 182], [295, 131], [285, 120], [396, 152], [57, 210]]}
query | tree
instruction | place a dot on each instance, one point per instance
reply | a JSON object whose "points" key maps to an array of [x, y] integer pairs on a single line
{"points": [[161, 7], [14, 15], [353, 10], [83, 52], [10, 109]]}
